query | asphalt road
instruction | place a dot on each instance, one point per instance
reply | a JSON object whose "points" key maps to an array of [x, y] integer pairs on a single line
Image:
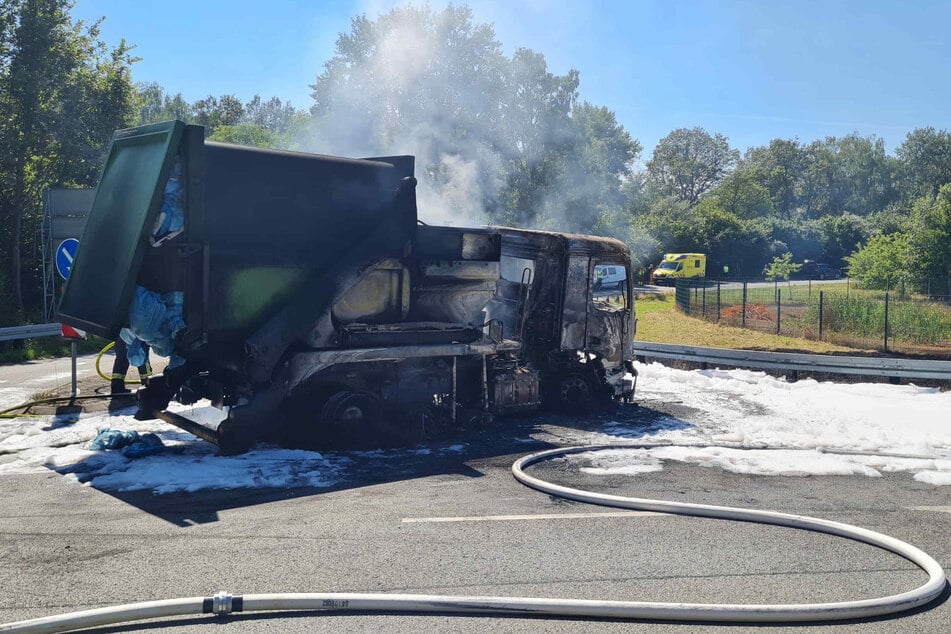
{"points": [[458, 523], [32, 379]]}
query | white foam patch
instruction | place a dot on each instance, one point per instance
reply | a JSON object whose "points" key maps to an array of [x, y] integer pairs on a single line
{"points": [[878, 427]]}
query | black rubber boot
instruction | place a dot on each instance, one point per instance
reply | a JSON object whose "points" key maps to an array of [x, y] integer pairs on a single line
{"points": [[118, 387]]}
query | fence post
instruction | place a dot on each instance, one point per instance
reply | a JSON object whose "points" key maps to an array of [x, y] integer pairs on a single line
{"points": [[886, 321], [820, 314], [718, 302], [779, 309], [744, 304], [704, 309]]}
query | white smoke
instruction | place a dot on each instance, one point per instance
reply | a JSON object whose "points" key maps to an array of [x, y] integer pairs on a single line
{"points": [[436, 85]]}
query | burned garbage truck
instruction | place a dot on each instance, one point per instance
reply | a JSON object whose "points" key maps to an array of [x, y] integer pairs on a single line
{"points": [[301, 296]]}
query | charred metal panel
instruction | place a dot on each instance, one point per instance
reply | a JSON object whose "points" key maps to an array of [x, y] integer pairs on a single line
{"points": [[539, 311], [301, 367], [458, 269], [575, 314], [606, 333], [515, 390], [503, 307], [103, 277], [274, 219], [459, 303], [461, 270], [450, 243], [407, 334], [381, 296]]}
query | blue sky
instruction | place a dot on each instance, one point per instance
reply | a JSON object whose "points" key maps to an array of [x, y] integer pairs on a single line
{"points": [[752, 70]]}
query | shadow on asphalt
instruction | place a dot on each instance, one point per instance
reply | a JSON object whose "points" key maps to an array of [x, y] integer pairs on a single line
{"points": [[448, 455]]}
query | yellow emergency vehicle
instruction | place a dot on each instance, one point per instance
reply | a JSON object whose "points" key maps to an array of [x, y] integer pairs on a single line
{"points": [[680, 265]]}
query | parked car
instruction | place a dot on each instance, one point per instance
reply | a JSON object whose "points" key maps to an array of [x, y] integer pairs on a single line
{"points": [[609, 276], [812, 270]]}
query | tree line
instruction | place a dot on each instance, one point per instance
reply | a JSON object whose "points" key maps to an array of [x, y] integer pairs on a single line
{"points": [[498, 138]]}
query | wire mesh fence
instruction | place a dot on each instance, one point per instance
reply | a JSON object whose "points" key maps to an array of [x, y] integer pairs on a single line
{"points": [[839, 313]]}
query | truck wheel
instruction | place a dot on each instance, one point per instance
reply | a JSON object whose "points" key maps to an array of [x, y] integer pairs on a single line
{"points": [[348, 409], [574, 391]]}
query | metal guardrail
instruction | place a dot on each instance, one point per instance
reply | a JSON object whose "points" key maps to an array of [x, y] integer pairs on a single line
{"points": [[795, 362], [29, 332]]}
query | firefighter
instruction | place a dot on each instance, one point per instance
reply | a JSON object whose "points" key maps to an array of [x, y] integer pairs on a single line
{"points": [[121, 366]]}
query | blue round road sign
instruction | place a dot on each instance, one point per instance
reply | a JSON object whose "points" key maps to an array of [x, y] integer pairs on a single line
{"points": [[65, 254]]}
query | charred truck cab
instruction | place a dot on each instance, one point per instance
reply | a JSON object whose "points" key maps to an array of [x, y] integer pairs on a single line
{"points": [[299, 294]]}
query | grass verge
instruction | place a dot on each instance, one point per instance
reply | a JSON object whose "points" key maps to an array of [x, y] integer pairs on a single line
{"points": [[659, 321]]}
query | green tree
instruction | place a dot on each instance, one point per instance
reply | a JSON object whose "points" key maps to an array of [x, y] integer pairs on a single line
{"points": [[929, 239], [154, 105], [740, 194], [536, 135], [840, 236], [244, 134], [802, 237], [273, 115], [212, 112], [925, 161], [883, 262], [593, 171], [726, 238], [688, 163], [778, 167], [781, 268], [847, 174], [62, 93]]}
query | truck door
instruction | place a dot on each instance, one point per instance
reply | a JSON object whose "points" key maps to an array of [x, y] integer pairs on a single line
{"points": [[609, 313], [596, 316]]}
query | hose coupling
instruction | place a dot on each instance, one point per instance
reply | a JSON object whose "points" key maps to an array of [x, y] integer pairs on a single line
{"points": [[221, 603]]}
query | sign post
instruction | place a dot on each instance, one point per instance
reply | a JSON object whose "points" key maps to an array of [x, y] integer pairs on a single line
{"points": [[74, 335], [65, 254]]}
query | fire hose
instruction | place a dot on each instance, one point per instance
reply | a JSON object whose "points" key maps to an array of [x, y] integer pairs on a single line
{"points": [[224, 603]]}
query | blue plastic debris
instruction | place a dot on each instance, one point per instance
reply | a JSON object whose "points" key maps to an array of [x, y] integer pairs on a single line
{"points": [[153, 319], [145, 445], [171, 219], [133, 444], [113, 439]]}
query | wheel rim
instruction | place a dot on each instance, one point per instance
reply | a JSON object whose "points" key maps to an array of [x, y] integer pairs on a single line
{"points": [[574, 390], [348, 408]]}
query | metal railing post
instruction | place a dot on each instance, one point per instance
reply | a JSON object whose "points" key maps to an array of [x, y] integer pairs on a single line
{"points": [[886, 321], [820, 314]]}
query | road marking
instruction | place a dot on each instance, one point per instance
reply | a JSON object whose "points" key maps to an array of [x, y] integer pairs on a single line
{"points": [[936, 509], [520, 518]]}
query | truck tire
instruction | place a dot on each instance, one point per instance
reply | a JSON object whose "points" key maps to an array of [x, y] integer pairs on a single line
{"points": [[348, 409], [574, 391]]}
